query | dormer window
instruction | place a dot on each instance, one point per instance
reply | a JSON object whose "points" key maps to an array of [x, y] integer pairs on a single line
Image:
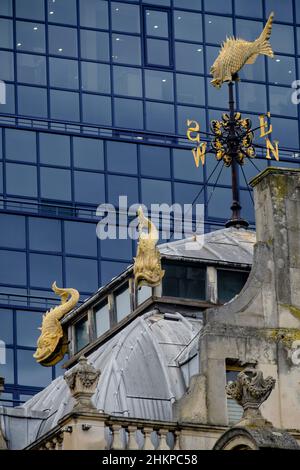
{"points": [[143, 293], [187, 281], [102, 318], [122, 303], [81, 334]]}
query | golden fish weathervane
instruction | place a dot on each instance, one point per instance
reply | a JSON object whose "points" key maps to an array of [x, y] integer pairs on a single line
{"points": [[52, 344], [147, 264], [235, 53]]}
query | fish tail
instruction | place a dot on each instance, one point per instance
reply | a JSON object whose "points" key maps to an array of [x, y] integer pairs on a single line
{"points": [[263, 44]]}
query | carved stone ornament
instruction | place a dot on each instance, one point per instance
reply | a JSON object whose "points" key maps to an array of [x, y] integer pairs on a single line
{"points": [[250, 391], [52, 344], [147, 264], [82, 381]]}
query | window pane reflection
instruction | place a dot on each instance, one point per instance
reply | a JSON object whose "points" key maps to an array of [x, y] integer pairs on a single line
{"points": [[157, 23], [45, 268], [217, 28], [27, 327], [61, 11], [126, 49], [55, 184], [30, 36], [88, 153], [102, 319], [20, 145], [89, 187], [7, 66], [190, 89], [160, 117], [31, 69], [95, 77], [63, 41], [82, 273], [13, 267], [189, 57], [6, 7], [125, 17], [129, 113], [121, 157], [6, 33], [32, 101], [94, 14], [21, 180], [188, 26], [127, 81], [282, 70], [55, 149], [44, 234], [159, 85], [63, 73], [31, 9], [94, 45], [81, 334], [64, 105], [96, 109], [158, 52], [122, 301]]}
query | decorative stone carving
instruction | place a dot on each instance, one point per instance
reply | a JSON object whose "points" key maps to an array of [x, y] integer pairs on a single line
{"points": [[82, 381], [250, 391]]}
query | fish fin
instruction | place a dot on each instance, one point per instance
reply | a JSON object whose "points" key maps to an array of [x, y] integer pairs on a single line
{"points": [[252, 59], [264, 47]]}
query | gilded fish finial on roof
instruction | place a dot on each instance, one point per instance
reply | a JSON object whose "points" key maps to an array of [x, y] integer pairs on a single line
{"points": [[147, 264], [52, 344], [235, 53]]}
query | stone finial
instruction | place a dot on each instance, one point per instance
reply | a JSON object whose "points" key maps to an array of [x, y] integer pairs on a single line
{"points": [[82, 381], [250, 390]]}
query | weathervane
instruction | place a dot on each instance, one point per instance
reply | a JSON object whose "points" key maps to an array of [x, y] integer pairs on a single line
{"points": [[232, 137]]}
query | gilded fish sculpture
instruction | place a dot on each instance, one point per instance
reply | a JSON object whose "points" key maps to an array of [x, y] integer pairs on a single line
{"points": [[147, 264], [235, 53], [52, 344]]}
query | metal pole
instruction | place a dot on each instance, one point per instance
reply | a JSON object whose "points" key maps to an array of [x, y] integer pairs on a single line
{"points": [[236, 220]]}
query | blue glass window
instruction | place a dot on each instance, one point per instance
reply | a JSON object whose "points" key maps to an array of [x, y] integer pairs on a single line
{"points": [[218, 98], [82, 273], [6, 7], [282, 70], [184, 166], [127, 81], [7, 65], [225, 6], [88, 153], [122, 186], [217, 28], [190, 89], [44, 269], [187, 112], [256, 71], [283, 10], [102, 319], [248, 29], [89, 187], [125, 17], [21, 180], [280, 102], [96, 109], [80, 238], [30, 9], [160, 117], [64, 105], [159, 85], [9, 107], [156, 192], [186, 193], [188, 26], [158, 52], [282, 39], [95, 77], [63, 73], [13, 267], [246, 8], [55, 184], [12, 233], [6, 319], [20, 145], [30, 36], [286, 131], [157, 23], [110, 269], [94, 45], [27, 327], [190, 5], [7, 370], [55, 149], [297, 12], [94, 14], [129, 113], [32, 101], [31, 69], [30, 372], [153, 158], [6, 33], [62, 41], [220, 202], [126, 49], [121, 157], [189, 57], [117, 249], [44, 234], [253, 98], [247, 205], [61, 11]]}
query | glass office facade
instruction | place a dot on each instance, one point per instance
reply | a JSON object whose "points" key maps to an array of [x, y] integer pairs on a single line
{"points": [[97, 97]]}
